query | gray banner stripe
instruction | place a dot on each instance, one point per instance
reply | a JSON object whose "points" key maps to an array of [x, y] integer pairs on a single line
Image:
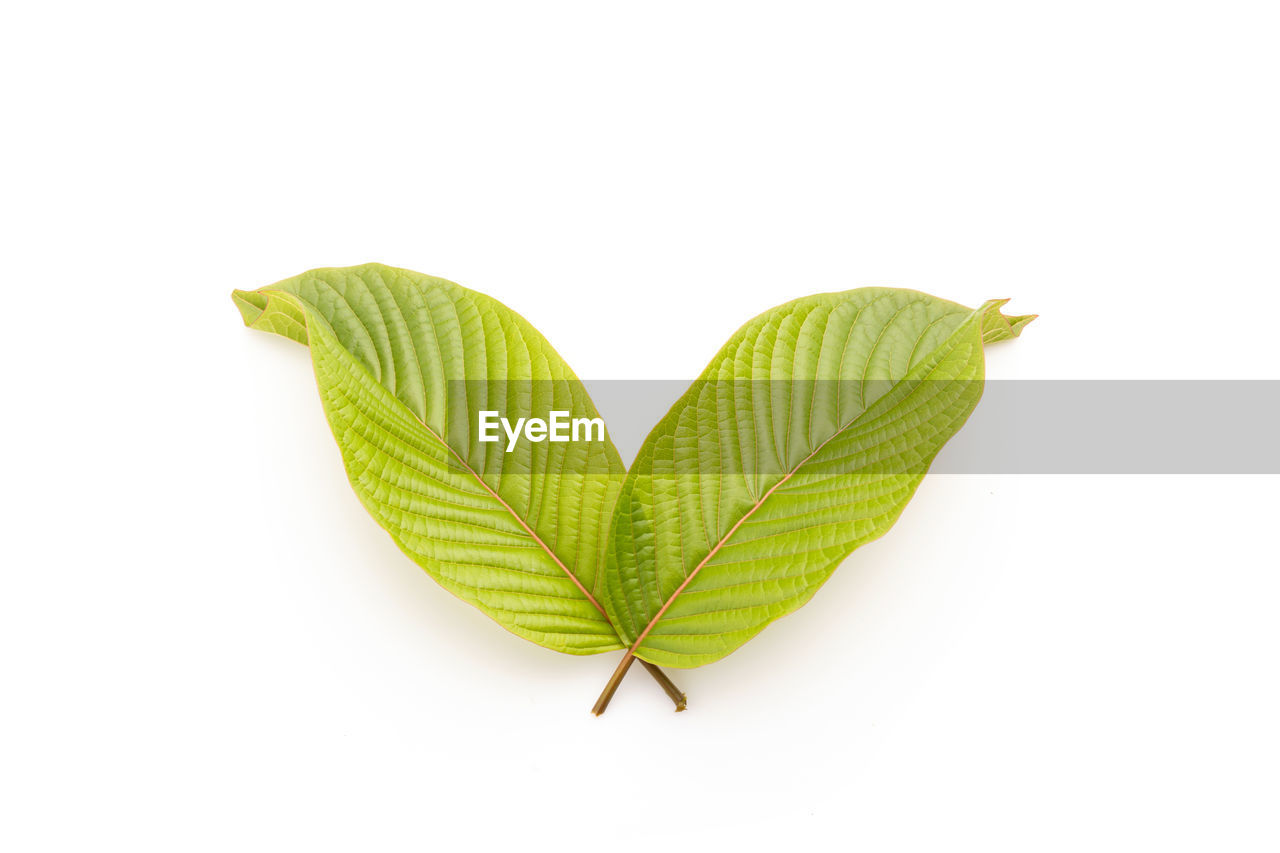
{"points": [[1057, 426]]}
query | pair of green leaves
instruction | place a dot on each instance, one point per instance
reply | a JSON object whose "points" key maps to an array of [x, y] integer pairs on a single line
{"points": [[804, 438]]}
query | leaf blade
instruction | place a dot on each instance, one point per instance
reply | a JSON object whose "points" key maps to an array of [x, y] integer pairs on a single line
{"points": [[686, 591], [404, 362]]}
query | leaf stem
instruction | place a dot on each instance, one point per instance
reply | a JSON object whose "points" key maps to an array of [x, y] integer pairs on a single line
{"points": [[666, 684], [614, 681]]}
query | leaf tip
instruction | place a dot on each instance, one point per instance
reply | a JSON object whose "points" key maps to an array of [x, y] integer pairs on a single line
{"points": [[272, 311], [997, 326], [251, 304]]}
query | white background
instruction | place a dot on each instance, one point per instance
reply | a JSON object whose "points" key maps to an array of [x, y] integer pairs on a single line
{"points": [[206, 644]]}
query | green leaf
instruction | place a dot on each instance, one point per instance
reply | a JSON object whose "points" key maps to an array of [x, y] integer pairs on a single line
{"points": [[405, 363], [803, 439]]}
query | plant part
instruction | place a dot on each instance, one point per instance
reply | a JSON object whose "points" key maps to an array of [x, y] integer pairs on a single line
{"points": [[802, 440], [404, 362]]}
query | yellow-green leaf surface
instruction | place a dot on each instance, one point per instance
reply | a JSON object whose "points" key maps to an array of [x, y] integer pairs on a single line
{"points": [[803, 439], [405, 362]]}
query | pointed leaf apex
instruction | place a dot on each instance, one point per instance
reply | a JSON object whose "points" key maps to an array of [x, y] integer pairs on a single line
{"points": [[272, 311], [250, 303], [996, 326]]}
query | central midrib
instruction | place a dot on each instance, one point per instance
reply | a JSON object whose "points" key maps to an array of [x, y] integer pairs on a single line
{"points": [[532, 533]]}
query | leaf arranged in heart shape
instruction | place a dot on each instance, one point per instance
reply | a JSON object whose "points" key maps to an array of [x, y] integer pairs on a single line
{"points": [[803, 439], [405, 362]]}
